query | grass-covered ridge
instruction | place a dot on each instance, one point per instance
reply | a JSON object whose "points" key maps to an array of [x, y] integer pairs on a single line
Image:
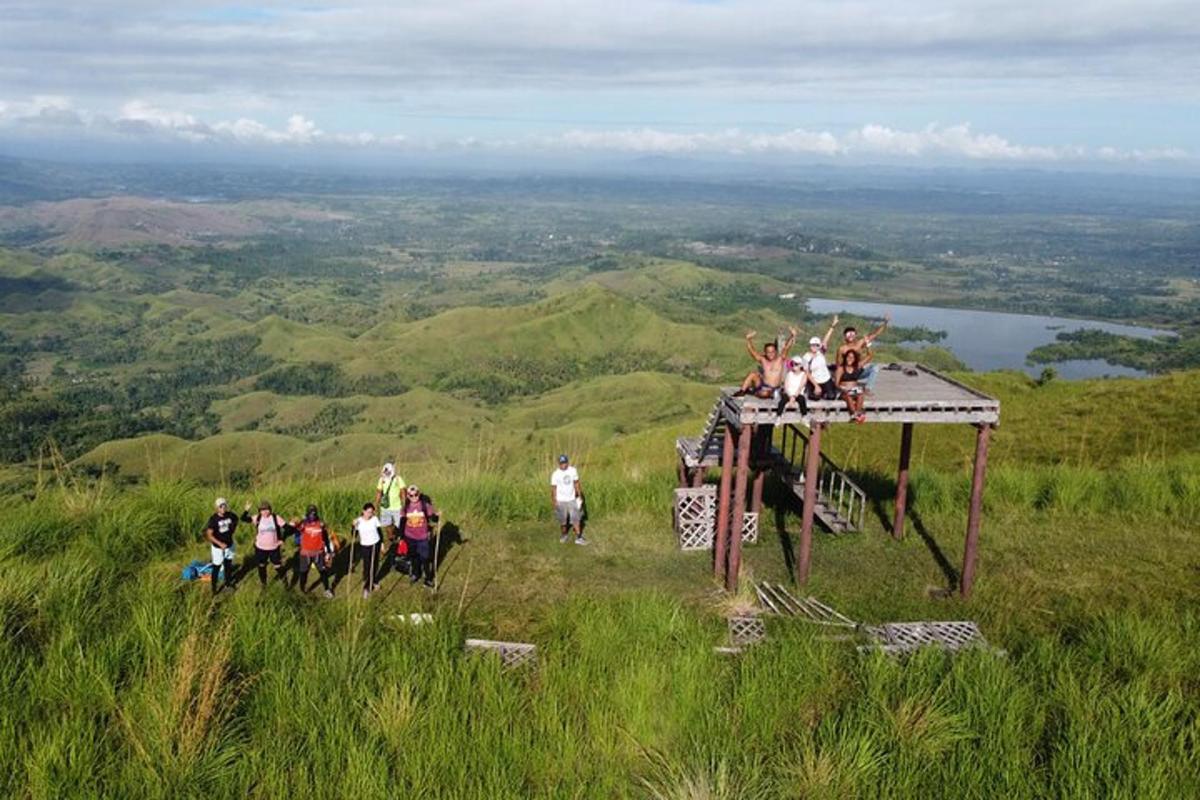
{"points": [[123, 680]]}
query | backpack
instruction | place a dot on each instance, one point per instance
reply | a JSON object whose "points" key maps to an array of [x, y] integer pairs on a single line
{"points": [[196, 570]]}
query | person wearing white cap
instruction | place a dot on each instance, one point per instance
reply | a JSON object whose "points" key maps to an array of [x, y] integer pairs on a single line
{"points": [[820, 380], [566, 494], [389, 499], [219, 534]]}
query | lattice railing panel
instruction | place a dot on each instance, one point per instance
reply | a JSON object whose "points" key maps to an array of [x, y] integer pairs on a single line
{"points": [[750, 527], [905, 637], [746, 630], [512, 654], [695, 517]]}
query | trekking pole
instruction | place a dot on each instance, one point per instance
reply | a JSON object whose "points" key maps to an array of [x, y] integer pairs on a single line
{"points": [[350, 544], [437, 547]]}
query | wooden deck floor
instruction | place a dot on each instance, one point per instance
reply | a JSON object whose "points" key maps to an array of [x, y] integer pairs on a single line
{"points": [[911, 393]]}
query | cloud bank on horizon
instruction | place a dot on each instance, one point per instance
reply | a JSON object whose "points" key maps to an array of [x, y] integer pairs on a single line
{"points": [[931, 81]]}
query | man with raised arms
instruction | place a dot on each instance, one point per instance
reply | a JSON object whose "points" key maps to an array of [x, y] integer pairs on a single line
{"points": [[861, 345], [767, 380]]}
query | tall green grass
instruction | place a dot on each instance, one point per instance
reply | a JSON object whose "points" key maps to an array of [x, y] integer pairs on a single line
{"points": [[268, 699], [122, 681]]}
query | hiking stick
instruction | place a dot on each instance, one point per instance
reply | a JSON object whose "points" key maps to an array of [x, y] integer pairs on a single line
{"points": [[437, 546], [350, 544]]}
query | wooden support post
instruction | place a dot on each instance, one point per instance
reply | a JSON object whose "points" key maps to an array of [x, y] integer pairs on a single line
{"points": [[812, 460], [975, 512], [756, 493], [722, 532], [906, 434], [683, 473], [698, 475], [739, 508]]}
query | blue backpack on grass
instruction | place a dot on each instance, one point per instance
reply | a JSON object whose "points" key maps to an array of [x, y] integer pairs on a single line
{"points": [[196, 569]]}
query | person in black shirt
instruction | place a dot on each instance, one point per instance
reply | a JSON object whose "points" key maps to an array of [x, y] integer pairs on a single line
{"points": [[848, 377], [219, 533]]}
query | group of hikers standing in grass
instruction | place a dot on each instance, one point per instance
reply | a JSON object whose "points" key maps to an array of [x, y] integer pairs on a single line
{"points": [[793, 381], [398, 525]]}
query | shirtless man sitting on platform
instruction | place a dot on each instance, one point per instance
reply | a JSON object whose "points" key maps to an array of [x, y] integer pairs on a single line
{"points": [[766, 381], [862, 346]]}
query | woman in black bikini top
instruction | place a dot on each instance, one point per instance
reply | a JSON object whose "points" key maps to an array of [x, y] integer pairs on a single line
{"points": [[849, 372]]}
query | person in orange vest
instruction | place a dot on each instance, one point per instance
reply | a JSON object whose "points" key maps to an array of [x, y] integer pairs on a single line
{"points": [[315, 548]]}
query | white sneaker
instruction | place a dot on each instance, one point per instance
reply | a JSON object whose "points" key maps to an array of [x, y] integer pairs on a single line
{"points": [[328, 594], [366, 593], [580, 540]]}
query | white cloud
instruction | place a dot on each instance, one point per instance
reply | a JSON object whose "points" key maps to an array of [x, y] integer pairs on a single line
{"points": [[141, 119], [954, 140]]}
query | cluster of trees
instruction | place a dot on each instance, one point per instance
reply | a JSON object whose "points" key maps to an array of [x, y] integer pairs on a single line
{"points": [[1152, 355], [326, 379], [514, 375], [174, 400]]}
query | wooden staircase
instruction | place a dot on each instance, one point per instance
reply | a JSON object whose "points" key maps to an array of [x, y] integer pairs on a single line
{"points": [[705, 450], [840, 505]]}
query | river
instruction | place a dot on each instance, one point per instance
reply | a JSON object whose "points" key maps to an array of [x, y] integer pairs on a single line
{"points": [[988, 340]]}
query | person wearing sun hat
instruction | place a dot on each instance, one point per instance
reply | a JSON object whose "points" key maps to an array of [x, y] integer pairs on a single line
{"points": [[566, 494], [389, 499], [416, 524], [218, 532]]}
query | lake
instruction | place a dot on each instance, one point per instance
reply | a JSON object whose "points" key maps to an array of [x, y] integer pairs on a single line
{"points": [[987, 340]]}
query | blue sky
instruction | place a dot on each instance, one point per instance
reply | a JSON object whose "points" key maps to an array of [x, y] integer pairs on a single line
{"points": [[845, 81]]}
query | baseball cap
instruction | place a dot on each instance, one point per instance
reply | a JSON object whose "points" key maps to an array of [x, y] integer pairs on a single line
{"points": [[563, 459], [221, 501], [815, 340]]}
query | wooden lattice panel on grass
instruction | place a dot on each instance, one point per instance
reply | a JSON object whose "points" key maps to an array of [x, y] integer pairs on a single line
{"points": [[905, 637], [750, 527], [512, 654], [746, 630], [695, 517]]}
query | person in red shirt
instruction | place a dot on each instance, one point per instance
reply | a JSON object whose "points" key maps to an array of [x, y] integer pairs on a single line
{"points": [[416, 524], [315, 548]]}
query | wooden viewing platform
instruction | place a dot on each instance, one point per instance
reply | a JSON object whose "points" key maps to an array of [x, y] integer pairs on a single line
{"points": [[740, 437]]}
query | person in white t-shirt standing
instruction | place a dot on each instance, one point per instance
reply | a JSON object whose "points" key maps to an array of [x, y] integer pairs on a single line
{"points": [[566, 494], [369, 541]]}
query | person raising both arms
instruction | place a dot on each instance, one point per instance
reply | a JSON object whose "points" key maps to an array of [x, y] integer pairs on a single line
{"points": [[315, 549], [862, 344], [269, 532], [219, 533], [767, 380]]}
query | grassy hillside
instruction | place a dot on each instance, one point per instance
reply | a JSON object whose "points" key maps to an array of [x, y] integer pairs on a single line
{"points": [[635, 418], [472, 341], [123, 680]]}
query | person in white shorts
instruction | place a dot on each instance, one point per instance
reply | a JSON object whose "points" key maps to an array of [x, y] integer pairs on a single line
{"points": [[219, 534], [566, 493], [389, 499]]}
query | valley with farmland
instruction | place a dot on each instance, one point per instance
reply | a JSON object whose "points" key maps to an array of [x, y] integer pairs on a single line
{"points": [[171, 335]]}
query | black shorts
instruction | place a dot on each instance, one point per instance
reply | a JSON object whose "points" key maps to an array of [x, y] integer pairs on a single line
{"points": [[263, 556], [828, 391]]}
